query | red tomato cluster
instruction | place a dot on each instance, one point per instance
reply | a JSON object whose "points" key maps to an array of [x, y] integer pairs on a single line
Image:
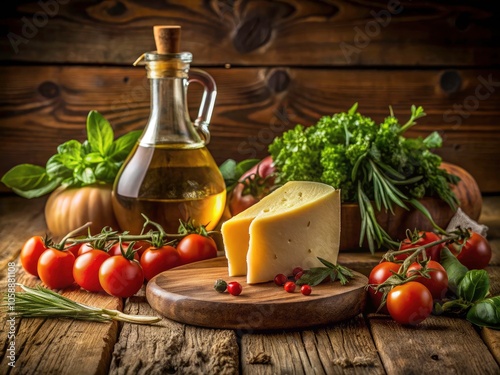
{"points": [[118, 272], [288, 282], [410, 296]]}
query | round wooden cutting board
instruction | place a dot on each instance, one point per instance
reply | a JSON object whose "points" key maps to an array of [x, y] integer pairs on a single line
{"points": [[186, 294]]}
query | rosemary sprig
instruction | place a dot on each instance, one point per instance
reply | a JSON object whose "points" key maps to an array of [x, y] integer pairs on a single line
{"points": [[40, 302]]}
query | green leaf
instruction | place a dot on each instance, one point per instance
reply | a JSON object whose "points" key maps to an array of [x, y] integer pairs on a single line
{"points": [[316, 276], [56, 168], [93, 158], [29, 181], [122, 147], [353, 109], [455, 270], [433, 140], [106, 171], [474, 286], [486, 313], [99, 133], [228, 169], [327, 263], [85, 175], [70, 152]]}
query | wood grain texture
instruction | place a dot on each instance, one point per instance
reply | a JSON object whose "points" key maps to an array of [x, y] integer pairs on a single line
{"points": [[346, 348], [425, 349], [37, 339], [170, 347], [288, 32], [177, 295], [42, 107]]}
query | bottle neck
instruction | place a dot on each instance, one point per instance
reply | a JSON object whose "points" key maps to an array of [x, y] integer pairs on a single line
{"points": [[169, 122]]}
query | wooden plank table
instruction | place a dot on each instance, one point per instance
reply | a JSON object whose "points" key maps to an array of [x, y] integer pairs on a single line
{"points": [[366, 344]]}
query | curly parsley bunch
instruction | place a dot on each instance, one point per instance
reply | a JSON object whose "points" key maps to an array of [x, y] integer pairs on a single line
{"points": [[369, 162]]}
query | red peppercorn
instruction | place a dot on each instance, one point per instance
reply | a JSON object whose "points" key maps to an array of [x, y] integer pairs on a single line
{"points": [[298, 275], [280, 279], [290, 286], [234, 288], [296, 270], [305, 289]]}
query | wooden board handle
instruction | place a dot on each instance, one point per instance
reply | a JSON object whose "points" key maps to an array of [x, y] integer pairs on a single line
{"points": [[167, 38]]}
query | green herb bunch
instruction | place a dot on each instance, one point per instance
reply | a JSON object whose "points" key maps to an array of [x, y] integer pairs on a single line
{"points": [[368, 162], [94, 161]]}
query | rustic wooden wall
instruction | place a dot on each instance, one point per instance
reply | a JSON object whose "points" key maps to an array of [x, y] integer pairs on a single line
{"points": [[276, 63]]}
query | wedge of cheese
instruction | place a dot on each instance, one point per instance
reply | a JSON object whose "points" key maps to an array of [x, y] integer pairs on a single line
{"points": [[289, 228]]}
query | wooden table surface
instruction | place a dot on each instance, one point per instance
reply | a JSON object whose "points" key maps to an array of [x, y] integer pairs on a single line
{"points": [[366, 344]]}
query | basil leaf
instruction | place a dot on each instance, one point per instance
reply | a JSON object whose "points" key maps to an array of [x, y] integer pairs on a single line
{"points": [[474, 286], [122, 147], [71, 150], [29, 181], [99, 133], [93, 158], [245, 166], [228, 170], [85, 175], [455, 270], [56, 168], [106, 171], [486, 313]]}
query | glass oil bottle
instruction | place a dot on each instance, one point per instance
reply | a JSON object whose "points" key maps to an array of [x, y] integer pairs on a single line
{"points": [[170, 174]]}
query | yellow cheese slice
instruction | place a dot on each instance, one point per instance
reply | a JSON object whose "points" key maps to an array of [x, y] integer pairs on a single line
{"points": [[289, 228]]}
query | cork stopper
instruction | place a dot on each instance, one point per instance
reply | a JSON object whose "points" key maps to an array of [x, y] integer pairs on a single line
{"points": [[167, 39]]}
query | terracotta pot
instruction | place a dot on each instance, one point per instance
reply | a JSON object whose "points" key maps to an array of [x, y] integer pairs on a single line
{"points": [[467, 192]]}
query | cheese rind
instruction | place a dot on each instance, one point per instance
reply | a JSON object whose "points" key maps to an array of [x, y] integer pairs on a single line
{"points": [[289, 228]]}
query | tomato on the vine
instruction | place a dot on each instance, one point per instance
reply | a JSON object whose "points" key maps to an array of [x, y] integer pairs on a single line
{"points": [[85, 248], [55, 268], [475, 253], [86, 269], [195, 247], [30, 253], [121, 277], [421, 239], [437, 283], [115, 250], [156, 260], [409, 303], [380, 273]]}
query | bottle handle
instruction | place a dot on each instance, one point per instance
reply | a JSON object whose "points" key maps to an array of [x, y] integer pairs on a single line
{"points": [[207, 101]]}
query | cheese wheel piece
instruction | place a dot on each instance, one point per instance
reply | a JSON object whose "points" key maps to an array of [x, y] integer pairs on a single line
{"points": [[289, 228]]}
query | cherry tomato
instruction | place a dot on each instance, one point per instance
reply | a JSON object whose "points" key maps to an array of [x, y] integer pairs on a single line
{"points": [[75, 249], [261, 178], [30, 253], [409, 303], [85, 248], [195, 247], [290, 286], [121, 277], [234, 288], [86, 269], [297, 270], [115, 250], [424, 238], [305, 290], [438, 281], [380, 273], [475, 254], [55, 268], [155, 261]]}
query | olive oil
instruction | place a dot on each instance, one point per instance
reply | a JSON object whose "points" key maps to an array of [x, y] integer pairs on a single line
{"points": [[170, 174], [167, 183]]}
